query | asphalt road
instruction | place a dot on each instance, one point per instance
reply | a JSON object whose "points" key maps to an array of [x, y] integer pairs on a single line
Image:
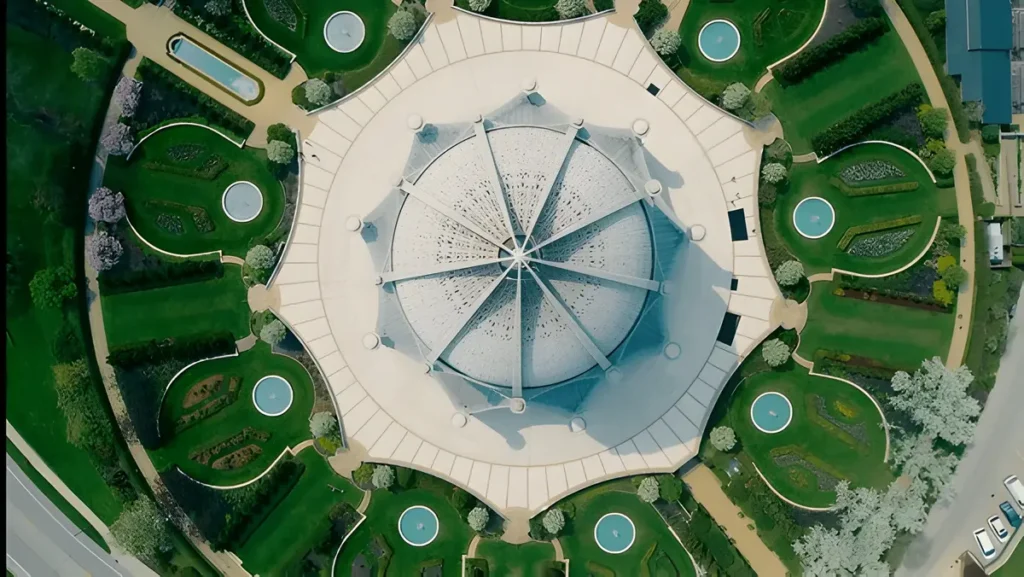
{"points": [[996, 453], [42, 542]]}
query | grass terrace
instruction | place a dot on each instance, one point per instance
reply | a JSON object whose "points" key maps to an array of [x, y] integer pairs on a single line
{"points": [[173, 185], [518, 10], [534, 559], [769, 31], [210, 406], [835, 434]]}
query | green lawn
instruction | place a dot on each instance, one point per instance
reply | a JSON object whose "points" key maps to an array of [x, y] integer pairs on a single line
{"points": [[382, 520], [376, 52], [149, 184], [832, 452], [834, 93], [786, 27], [619, 497], [177, 311], [526, 560], [299, 521], [287, 430], [55, 497], [897, 336], [518, 10], [812, 179], [1013, 567]]}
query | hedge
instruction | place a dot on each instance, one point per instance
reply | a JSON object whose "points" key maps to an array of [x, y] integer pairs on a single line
{"points": [[853, 231], [133, 355], [876, 189], [850, 129], [164, 275], [236, 33], [833, 50]]}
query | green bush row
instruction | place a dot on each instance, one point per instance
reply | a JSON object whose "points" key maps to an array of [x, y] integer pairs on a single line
{"points": [[710, 547], [133, 355], [166, 96], [852, 128], [236, 33], [853, 231], [833, 50], [164, 275], [208, 171], [873, 190]]}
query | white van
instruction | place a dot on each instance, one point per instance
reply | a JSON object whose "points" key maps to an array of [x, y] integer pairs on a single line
{"points": [[1016, 489], [988, 551]]}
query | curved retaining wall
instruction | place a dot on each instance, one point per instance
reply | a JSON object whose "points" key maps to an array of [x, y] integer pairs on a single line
{"points": [[893, 144], [265, 37], [218, 252], [160, 405], [184, 123]]}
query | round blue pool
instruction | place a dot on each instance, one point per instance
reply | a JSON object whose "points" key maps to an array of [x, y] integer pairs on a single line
{"points": [[242, 201], [272, 396], [614, 533], [719, 40], [418, 526], [771, 412], [344, 31], [814, 217]]}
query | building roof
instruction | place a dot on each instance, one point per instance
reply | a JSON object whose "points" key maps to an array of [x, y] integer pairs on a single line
{"points": [[988, 25], [979, 36]]}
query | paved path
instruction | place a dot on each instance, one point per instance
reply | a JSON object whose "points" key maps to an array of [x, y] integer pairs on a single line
{"points": [[559, 554], [704, 486], [676, 11], [965, 210], [149, 28], [996, 452], [471, 552]]}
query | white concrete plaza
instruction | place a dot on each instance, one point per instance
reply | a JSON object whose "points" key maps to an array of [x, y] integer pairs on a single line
{"points": [[643, 358]]}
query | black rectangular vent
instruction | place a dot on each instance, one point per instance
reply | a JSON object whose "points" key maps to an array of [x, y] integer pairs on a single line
{"points": [[653, 89], [738, 224], [735, 284], [727, 333]]}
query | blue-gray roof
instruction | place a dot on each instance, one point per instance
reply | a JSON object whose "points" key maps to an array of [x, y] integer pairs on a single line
{"points": [[979, 36], [988, 25]]}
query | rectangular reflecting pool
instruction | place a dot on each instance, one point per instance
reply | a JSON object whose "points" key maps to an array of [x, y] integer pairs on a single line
{"points": [[184, 50]]}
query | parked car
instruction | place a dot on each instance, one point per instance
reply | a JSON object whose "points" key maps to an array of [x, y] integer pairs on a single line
{"points": [[988, 551], [1010, 513], [998, 529], [1016, 489]]}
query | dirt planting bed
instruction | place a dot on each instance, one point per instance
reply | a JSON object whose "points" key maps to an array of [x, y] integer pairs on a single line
{"points": [[204, 456], [239, 458]]}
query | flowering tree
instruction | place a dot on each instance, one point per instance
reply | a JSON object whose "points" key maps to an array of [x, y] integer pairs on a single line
{"points": [[570, 8], [477, 518], [723, 438], [773, 173], [479, 5], [775, 352], [383, 476], [789, 273], [665, 41], [553, 521], [735, 96], [260, 257], [273, 332], [127, 94], [141, 529], [323, 424], [106, 206], [103, 251], [403, 25], [51, 287], [318, 92], [936, 398], [280, 152], [648, 490], [117, 140], [918, 458]]}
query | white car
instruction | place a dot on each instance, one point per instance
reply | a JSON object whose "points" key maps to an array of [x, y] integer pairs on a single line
{"points": [[988, 551], [998, 529], [1016, 489]]}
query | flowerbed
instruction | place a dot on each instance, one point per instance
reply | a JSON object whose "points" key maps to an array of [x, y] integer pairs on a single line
{"points": [[855, 431], [284, 12], [870, 170], [209, 409], [881, 244], [237, 458], [171, 223], [203, 456], [200, 218], [853, 231], [790, 456]]}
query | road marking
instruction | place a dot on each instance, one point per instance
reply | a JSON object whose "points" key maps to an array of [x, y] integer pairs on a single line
{"points": [[47, 511], [13, 560]]}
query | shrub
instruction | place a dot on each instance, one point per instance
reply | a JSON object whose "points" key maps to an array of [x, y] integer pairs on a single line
{"points": [[117, 140], [941, 293], [877, 189], [773, 173], [942, 163], [477, 518], [954, 276], [88, 64], [570, 8], [164, 274], [816, 58], [103, 251], [853, 231], [141, 529], [766, 195], [665, 41], [866, 7], [650, 15], [260, 257], [133, 355], [403, 25], [363, 475], [280, 132], [990, 133], [323, 424], [735, 96], [670, 488], [273, 332], [850, 129], [779, 151], [87, 424], [479, 6], [789, 273], [218, 7], [383, 476], [936, 22], [280, 152], [933, 121], [318, 92], [405, 477], [553, 521], [106, 206], [52, 287], [648, 490], [775, 352], [723, 438]]}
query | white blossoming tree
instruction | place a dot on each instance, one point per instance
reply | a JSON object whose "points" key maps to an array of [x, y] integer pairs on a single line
{"points": [[323, 424], [318, 92], [570, 8], [273, 332], [280, 152], [936, 398], [735, 96], [723, 438], [479, 6], [383, 476], [789, 273], [775, 352], [648, 490], [918, 458], [774, 173], [106, 206], [103, 251], [477, 518], [260, 257], [403, 25], [141, 529], [665, 41], [553, 521]]}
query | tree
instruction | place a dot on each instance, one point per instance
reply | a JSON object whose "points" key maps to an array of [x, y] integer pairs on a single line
{"points": [[280, 131], [955, 232], [919, 459], [273, 332], [479, 6], [942, 163], [260, 257], [554, 521], [723, 438], [141, 529], [866, 7], [383, 476], [51, 287], [648, 490], [789, 273], [103, 251], [322, 424], [477, 518], [87, 64], [650, 15], [117, 140], [665, 41], [280, 152], [460, 499], [936, 398], [570, 8], [403, 25], [936, 22], [218, 7], [87, 425], [954, 275], [735, 96], [933, 121], [824, 552], [318, 92], [773, 173], [975, 110], [775, 352], [363, 475], [106, 206], [990, 133], [127, 94], [670, 488]]}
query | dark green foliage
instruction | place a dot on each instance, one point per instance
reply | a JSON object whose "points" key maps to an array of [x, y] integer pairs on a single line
{"points": [[404, 477], [163, 274], [67, 345], [299, 97], [936, 22], [853, 127], [990, 133], [709, 546], [88, 64], [815, 58], [52, 287], [88, 426], [462, 501], [235, 31], [868, 8], [518, 12], [363, 475], [185, 349], [280, 132], [602, 5], [650, 15], [61, 30], [670, 487]]}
